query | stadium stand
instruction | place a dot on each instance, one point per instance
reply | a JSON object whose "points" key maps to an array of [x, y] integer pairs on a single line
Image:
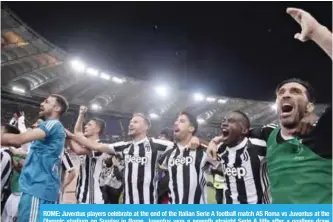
{"points": [[33, 68]]}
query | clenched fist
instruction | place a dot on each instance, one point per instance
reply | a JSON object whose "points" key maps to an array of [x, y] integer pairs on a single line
{"points": [[83, 109]]}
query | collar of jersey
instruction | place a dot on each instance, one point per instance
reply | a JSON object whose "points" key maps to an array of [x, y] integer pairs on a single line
{"points": [[181, 147], [140, 141], [4, 148], [239, 146]]}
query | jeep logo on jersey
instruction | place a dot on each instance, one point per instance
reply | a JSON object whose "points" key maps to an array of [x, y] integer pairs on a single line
{"points": [[238, 172], [136, 159], [181, 161]]}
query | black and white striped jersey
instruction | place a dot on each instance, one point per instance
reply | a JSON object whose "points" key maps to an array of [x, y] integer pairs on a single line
{"points": [[6, 167], [140, 168], [66, 165], [245, 171], [188, 180], [88, 188]]}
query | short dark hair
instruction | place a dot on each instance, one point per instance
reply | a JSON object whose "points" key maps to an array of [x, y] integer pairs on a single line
{"points": [[146, 119], [193, 120], [62, 101], [101, 123], [11, 129], [245, 117], [309, 89], [168, 133]]}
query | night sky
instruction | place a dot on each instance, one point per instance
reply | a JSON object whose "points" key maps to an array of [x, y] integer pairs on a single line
{"points": [[236, 49]]}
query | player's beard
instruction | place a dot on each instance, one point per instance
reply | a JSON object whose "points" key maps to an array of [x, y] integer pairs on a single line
{"points": [[294, 119]]}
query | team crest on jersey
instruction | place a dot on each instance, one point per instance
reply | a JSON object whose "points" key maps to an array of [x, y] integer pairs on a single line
{"points": [[245, 156], [147, 147]]}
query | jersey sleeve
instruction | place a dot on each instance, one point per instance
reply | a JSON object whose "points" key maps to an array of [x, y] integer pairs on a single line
{"points": [[67, 162], [118, 147], [6, 168], [325, 122], [323, 135], [164, 159], [259, 145], [50, 127], [96, 154], [203, 180], [163, 145], [262, 133]]}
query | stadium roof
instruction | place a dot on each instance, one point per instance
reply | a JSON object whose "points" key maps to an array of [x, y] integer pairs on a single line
{"points": [[31, 63]]}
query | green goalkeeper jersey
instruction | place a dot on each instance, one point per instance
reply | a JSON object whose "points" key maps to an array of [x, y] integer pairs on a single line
{"points": [[297, 175], [300, 169]]}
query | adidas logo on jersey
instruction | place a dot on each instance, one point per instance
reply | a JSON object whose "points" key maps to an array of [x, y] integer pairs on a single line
{"points": [[238, 172], [136, 159], [181, 161]]}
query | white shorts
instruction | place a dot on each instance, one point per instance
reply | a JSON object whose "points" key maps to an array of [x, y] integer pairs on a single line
{"points": [[11, 208]]}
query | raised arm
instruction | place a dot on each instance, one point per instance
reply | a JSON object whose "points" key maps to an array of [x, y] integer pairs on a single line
{"points": [[21, 123], [312, 30], [79, 122]]}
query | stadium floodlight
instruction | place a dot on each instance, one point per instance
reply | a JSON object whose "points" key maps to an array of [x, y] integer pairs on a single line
{"points": [[198, 97], [93, 72], [153, 116], [105, 76], [18, 89], [118, 80], [95, 106], [273, 106], [161, 90], [78, 66], [211, 99], [222, 101], [200, 120]]}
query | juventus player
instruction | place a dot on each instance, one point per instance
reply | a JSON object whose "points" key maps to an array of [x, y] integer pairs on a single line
{"points": [[187, 182], [241, 160], [6, 165], [299, 150], [88, 188], [40, 171], [140, 154]]}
